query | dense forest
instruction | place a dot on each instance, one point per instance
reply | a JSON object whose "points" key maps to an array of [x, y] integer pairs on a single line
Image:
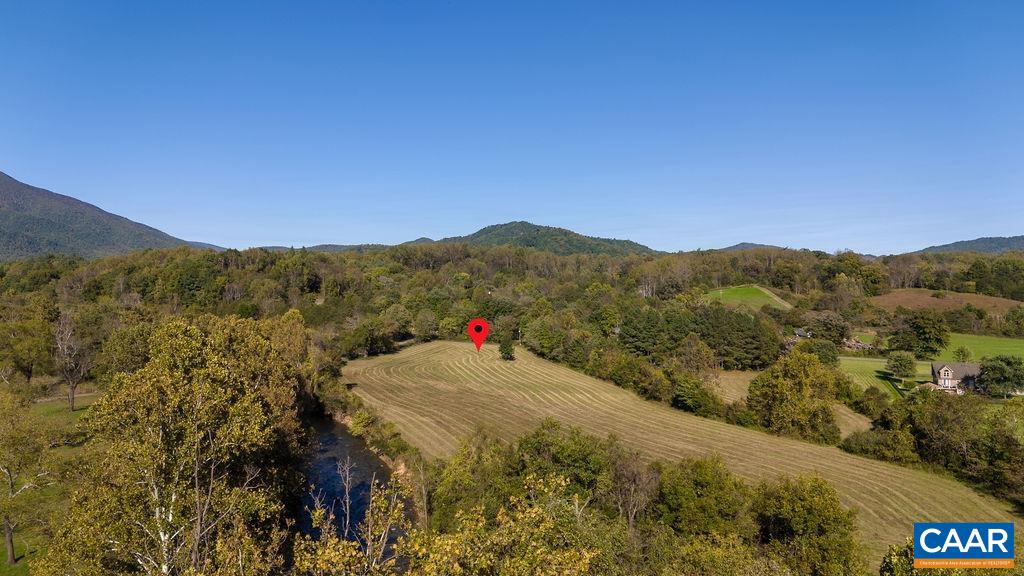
{"points": [[208, 363]]}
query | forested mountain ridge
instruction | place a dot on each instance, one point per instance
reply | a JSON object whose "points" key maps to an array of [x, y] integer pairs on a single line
{"points": [[34, 221], [549, 238], [518, 234], [987, 245]]}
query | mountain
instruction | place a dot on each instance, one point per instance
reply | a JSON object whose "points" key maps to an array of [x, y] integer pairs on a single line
{"points": [[990, 245], [747, 246], [549, 238], [34, 221], [522, 234], [332, 248]]}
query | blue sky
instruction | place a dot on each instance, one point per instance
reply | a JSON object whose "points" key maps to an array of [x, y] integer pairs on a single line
{"points": [[880, 127]]}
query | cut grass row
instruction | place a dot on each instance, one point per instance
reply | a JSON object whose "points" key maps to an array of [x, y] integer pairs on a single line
{"points": [[439, 393]]}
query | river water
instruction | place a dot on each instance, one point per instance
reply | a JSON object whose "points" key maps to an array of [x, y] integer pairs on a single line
{"points": [[333, 444]]}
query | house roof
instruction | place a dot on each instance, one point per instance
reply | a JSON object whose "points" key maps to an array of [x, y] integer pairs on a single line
{"points": [[960, 370]]}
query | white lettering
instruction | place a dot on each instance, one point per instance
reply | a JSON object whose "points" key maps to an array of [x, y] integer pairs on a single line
{"points": [[992, 542], [974, 541], [924, 545], [952, 538]]}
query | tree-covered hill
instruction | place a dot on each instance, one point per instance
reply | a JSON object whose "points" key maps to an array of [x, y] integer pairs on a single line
{"points": [[548, 238], [34, 221], [520, 234], [988, 245]]}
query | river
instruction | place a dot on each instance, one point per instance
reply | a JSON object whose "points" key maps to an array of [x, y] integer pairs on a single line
{"points": [[333, 444]]}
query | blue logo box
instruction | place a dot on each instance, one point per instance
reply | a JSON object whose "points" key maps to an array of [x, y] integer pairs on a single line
{"points": [[963, 541]]}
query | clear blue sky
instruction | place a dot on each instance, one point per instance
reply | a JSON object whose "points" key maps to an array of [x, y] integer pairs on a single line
{"points": [[879, 127]]}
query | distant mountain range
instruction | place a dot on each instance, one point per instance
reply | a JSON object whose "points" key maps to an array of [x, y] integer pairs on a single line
{"points": [[989, 245], [34, 221]]}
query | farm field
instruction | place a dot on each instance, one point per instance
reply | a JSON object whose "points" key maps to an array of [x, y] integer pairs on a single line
{"points": [[750, 296], [438, 393], [917, 298]]}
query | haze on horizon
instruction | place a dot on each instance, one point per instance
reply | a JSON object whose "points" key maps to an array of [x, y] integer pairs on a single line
{"points": [[877, 127]]}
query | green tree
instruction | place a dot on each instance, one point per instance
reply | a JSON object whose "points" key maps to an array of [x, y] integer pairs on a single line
{"points": [[199, 447], [802, 522], [830, 326], [506, 348], [793, 398], [425, 325], [923, 332], [22, 464], [825, 350], [701, 497], [1001, 375], [901, 364], [962, 354], [692, 394]]}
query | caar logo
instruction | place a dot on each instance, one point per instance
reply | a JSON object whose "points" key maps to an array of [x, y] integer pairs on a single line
{"points": [[963, 545]]}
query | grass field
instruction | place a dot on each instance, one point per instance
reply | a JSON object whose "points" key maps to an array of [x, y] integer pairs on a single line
{"points": [[918, 298], [438, 393], [749, 295], [28, 540], [981, 346], [867, 372]]}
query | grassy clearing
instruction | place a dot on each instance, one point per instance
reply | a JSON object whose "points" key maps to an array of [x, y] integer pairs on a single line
{"points": [[867, 372], [981, 346], [438, 393], [29, 539], [750, 296], [919, 298]]}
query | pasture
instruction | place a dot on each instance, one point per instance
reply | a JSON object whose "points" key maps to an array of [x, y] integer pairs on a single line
{"points": [[439, 393], [919, 298], [981, 346], [867, 372], [749, 296]]}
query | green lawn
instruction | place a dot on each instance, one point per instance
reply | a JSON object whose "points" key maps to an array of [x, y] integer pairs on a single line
{"points": [[867, 372], [750, 295], [29, 539], [981, 346]]}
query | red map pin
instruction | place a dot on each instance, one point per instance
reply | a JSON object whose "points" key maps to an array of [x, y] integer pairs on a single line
{"points": [[477, 330]]}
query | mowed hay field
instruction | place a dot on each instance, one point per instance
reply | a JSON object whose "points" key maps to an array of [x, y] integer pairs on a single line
{"points": [[918, 298], [438, 393], [750, 296]]}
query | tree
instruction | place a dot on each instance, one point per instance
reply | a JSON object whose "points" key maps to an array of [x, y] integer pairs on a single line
{"points": [[425, 325], [901, 365], [506, 348], [701, 497], [923, 332], [532, 534], [802, 522], [199, 449], [962, 354], [370, 551], [70, 356], [22, 466], [1001, 375], [830, 326], [693, 395], [825, 350], [793, 398]]}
